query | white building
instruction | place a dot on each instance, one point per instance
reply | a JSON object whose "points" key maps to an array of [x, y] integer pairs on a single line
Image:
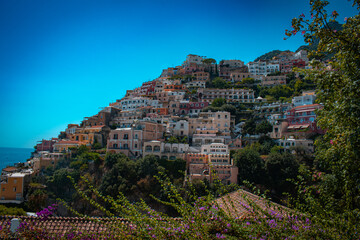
{"points": [[179, 128], [290, 143], [263, 68], [196, 83], [215, 148], [231, 95], [191, 58], [307, 98], [137, 102]]}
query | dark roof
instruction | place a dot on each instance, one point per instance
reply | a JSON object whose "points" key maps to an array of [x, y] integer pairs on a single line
{"points": [[63, 225]]}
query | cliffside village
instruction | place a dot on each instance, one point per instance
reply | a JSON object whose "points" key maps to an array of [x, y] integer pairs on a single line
{"points": [[171, 107]]}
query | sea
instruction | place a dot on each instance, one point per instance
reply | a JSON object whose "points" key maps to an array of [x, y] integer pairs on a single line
{"points": [[10, 156]]}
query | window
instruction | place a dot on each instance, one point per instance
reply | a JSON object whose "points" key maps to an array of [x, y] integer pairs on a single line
{"points": [[3, 189], [136, 136], [14, 189], [115, 136], [15, 181], [126, 136]]}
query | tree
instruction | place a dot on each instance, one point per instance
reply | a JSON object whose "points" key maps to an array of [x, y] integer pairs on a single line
{"points": [[251, 166], [209, 61], [263, 127], [218, 102], [280, 168], [218, 82], [249, 127], [339, 90], [229, 108]]}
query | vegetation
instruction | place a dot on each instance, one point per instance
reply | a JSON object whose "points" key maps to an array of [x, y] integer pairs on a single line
{"points": [[325, 194]]}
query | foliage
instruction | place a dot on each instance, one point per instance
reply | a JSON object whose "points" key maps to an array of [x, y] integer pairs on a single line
{"points": [[218, 82], [339, 90], [269, 55], [13, 211], [263, 127], [218, 102], [209, 61], [202, 218], [249, 127], [251, 166], [280, 168]]}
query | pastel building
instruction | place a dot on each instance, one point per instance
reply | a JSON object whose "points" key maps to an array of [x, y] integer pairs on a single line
{"points": [[307, 98], [65, 146], [12, 186], [178, 128], [46, 145], [163, 150], [210, 167], [191, 108], [215, 148], [201, 139], [196, 84], [290, 143], [302, 116], [127, 141], [201, 76], [137, 102], [210, 122], [231, 95], [238, 76]]}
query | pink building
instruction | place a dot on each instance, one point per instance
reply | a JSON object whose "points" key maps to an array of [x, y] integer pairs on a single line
{"points": [[126, 141], [46, 145], [186, 107]]}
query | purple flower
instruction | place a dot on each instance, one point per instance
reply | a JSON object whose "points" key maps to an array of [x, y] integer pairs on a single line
{"points": [[296, 228], [218, 235]]}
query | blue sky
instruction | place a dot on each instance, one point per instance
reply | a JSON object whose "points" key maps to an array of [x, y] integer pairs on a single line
{"points": [[61, 61]]}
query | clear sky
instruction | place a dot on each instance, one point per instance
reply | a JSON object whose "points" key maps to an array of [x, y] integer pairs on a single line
{"points": [[61, 61]]}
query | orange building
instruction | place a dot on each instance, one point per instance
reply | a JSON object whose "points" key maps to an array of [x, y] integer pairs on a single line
{"points": [[174, 87], [64, 145], [204, 166], [12, 186]]}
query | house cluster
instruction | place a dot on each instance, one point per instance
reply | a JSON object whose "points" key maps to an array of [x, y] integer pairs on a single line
{"points": [[165, 117]]}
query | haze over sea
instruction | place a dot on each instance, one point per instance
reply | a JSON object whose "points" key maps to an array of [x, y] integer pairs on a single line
{"points": [[9, 156]]}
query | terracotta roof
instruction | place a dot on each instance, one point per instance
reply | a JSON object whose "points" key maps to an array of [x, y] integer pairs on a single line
{"points": [[99, 126], [10, 169], [68, 142], [237, 204], [63, 225]]}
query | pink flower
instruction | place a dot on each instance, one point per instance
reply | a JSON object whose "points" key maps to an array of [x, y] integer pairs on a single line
{"points": [[331, 142], [335, 31]]}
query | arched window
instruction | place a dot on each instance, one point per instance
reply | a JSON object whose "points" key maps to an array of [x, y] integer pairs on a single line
{"points": [[148, 149], [157, 149]]}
